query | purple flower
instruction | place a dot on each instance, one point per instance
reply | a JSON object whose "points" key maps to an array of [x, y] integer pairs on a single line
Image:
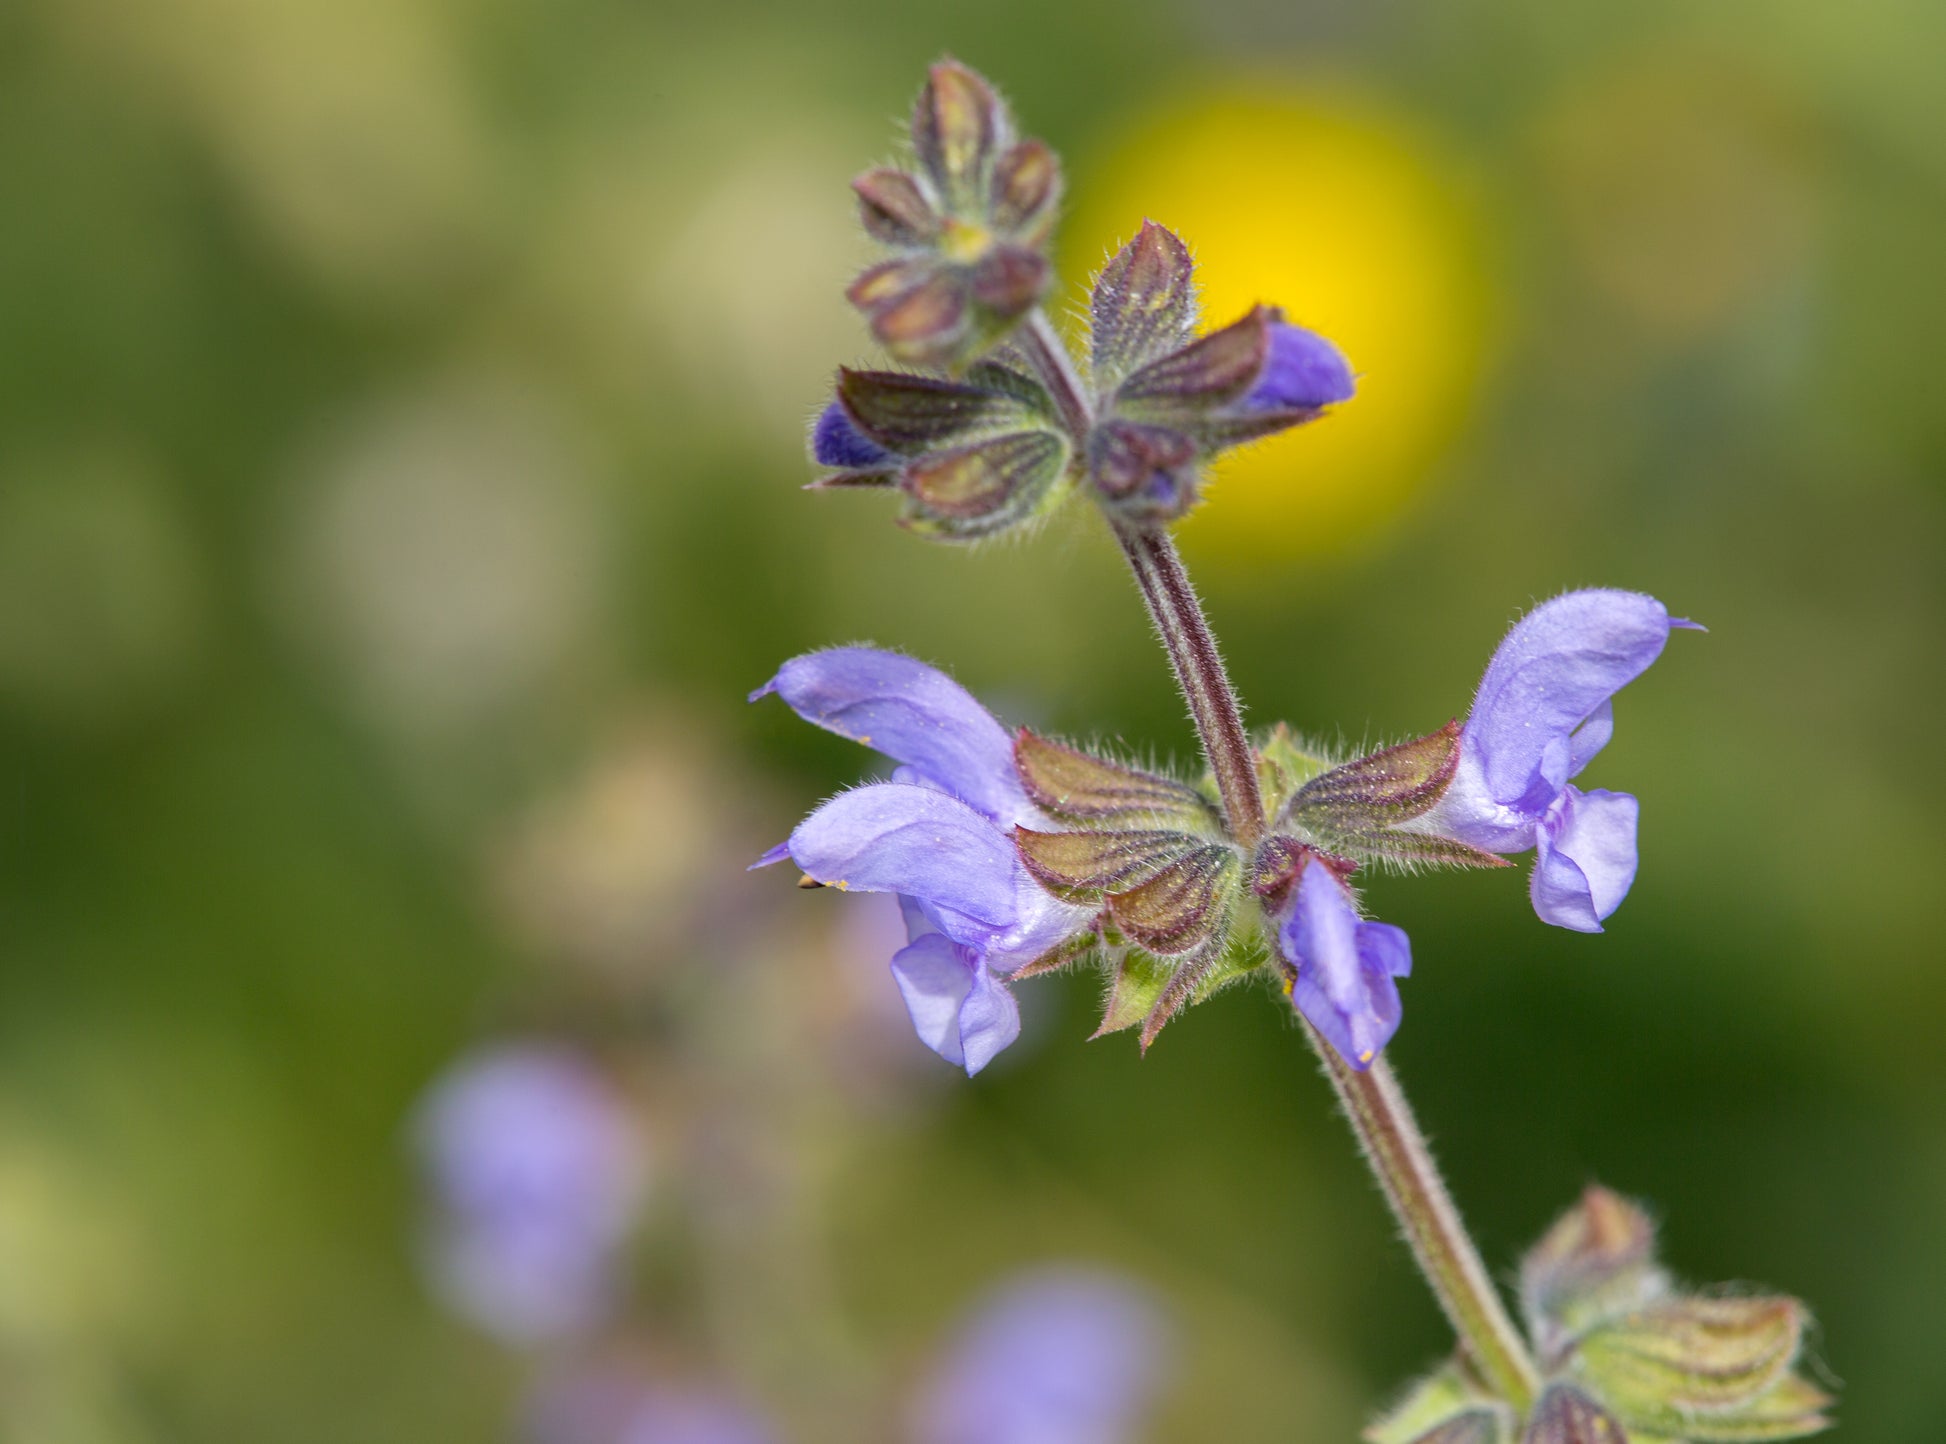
{"points": [[1302, 372], [1345, 966], [614, 1407], [837, 441], [1059, 1356], [1541, 715], [537, 1173], [940, 835]]}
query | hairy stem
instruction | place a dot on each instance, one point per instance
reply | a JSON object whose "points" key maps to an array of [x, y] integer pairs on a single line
{"points": [[1049, 357], [1199, 671], [1398, 1154], [1378, 1111]]}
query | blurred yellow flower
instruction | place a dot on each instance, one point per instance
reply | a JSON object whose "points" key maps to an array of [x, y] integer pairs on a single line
{"points": [[1336, 209]]}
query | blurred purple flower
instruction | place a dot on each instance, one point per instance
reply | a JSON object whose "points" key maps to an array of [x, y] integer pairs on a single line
{"points": [[1301, 372], [1345, 966], [1057, 1356], [612, 1407], [1542, 713], [940, 835], [537, 1173]]}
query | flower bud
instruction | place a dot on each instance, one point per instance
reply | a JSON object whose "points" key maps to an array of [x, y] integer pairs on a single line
{"points": [[973, 457], [1693, 1355], [1565, 1415], [969, 227], [1301, 372], [837, 442], [1171, 400], [1598, 1260]]}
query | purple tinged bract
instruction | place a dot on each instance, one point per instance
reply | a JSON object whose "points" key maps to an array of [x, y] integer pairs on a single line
{"points": [[1302, 372], [1346, 967], [940, 835], [537, 1172], [1541, 715], [1056, 1356]]}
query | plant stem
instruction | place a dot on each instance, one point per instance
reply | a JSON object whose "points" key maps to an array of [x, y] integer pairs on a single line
{"points": [[1378, 1111], [1199, 672], [1398, 1154], [1049, 357]]}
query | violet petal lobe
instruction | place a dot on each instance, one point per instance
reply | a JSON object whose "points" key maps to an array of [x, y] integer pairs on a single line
{"points": [[837, 441], [1345, 966], [912, 713], [771, 857], [1590, 737], [989, 1020], [893, 837], [1302, 371], [1554, 670], [1586, 857], [934, 976]]}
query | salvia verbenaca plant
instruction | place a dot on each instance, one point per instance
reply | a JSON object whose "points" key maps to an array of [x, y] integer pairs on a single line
{"points": [[1015, 854]]}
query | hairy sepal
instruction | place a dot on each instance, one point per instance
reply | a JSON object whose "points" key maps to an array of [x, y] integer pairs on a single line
{"points": [[1080, 787], [1144, 303]]}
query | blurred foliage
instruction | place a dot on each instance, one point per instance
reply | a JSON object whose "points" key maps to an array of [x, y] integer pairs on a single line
{"points": [[401, 408]]}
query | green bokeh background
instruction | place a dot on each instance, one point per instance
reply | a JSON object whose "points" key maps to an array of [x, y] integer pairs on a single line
{"points": [[401, 411]]}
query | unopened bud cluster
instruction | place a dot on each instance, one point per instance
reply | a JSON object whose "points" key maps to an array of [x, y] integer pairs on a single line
{"points": [[967, 228], [987, 430], [1627, 1358]]}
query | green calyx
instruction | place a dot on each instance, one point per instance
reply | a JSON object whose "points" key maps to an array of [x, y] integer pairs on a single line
{"points": [[1629, 1359]]}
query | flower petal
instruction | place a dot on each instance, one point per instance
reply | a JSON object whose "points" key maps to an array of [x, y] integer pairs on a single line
{"points": [[914, 714], [935, 977], [1542, 713], [1345, 966], [989, 1020], [1555, 668], [1586, 858], [891, 837], [837, 441], [1590, 737], [1302, 371], [1042, 922], [772, 855]]}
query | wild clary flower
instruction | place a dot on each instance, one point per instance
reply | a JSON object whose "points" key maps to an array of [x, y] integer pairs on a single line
{"points": [[1017, 854], [1542, 713], [1015, 861], [536, 1172], [1058, 1356], [939, 834]]}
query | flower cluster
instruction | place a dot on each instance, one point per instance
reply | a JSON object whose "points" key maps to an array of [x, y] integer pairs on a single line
{"points": [[1015, 854], [988, 432], [967, 228], [1626, 1356]]}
